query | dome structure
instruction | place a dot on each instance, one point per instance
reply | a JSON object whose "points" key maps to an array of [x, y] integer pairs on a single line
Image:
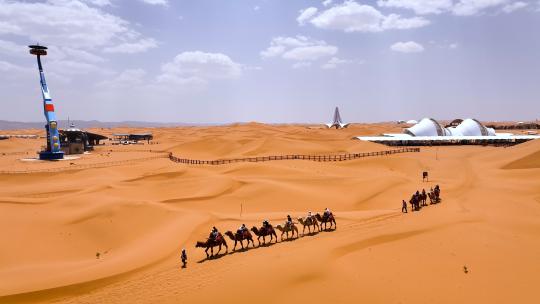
{"points": [[471, 127], [427, 127]]}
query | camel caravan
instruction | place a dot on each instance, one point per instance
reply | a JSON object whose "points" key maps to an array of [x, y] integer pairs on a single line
{"points": [[419, 199], [313, 223]]}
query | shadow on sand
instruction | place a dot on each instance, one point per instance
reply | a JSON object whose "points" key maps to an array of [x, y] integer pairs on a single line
{"points": [[312, 233], [329, 230], [267, 244]]}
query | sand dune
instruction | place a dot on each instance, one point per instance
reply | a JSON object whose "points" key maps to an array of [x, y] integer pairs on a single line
{"points": [[112, 234]]}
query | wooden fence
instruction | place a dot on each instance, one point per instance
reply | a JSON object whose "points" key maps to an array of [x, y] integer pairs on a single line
{"points": [[318, 158]]}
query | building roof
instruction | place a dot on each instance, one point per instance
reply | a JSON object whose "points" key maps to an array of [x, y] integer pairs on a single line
{"points": [[426, 127], [431, 127]]}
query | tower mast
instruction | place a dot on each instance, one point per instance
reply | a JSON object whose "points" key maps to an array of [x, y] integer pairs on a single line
{"points": [[52, 150]]}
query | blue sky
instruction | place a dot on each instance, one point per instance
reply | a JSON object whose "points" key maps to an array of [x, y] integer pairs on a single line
{"points": [[216, 61]]}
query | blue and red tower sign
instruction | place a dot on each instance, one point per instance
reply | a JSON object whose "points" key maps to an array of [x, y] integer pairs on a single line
{"points": [[53, 150]]}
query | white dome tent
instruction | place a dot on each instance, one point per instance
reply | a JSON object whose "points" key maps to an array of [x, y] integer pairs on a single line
{"points": [[471, 127], [429, 132], [426, 127]]}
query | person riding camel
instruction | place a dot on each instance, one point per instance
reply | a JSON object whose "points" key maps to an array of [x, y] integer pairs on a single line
{"points": [[310, 216], [289, 221], [327, 213], [242, 230], [266, 224], [214, 233]]}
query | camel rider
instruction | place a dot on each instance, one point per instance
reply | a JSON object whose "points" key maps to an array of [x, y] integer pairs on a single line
{"points": [[309, 215], [289, 220], [266, 224], [327, 213], [242, 230], [214, 233]]}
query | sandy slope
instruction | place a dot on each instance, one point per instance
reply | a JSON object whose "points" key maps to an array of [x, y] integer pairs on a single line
{"points": [[139, 214]]}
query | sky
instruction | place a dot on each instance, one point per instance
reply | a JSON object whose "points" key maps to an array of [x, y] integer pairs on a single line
{"points": [[272, 61]]}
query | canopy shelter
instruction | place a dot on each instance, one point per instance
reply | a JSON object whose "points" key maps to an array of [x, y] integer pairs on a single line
{"points": [[76, 141], [132, 138]]}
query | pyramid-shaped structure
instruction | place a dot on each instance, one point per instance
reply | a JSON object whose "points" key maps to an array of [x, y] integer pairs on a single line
{"points": [[337, 122]]}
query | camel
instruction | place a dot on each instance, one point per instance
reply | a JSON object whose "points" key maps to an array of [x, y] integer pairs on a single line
{"points": [[423, 198], [240, 238], [286, 229], [415, 202], [211, 243], [308, 222], [325, 220], [263, 232], [434, 198]]}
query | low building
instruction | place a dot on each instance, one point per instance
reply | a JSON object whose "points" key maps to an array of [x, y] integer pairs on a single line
{"points": [[76, 141], [429, 132]]}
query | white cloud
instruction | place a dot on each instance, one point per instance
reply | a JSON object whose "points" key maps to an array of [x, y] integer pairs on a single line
{"points": [[66, 22], [273, 51], [126, 79], [10, 68], [8, 28], [299, 48], [99, 2], [475, 7], [509, 8], [453, 46], [301, 64], [62, 63], [306, 14], [197, 66], [82, 55], [334, 62], [156, 2], [256, 8], [420, 7], [327, 2], [310, 52], [407, 47], [68, 68], [457, 7], [140, 46], [353, 17], [12, 49]]}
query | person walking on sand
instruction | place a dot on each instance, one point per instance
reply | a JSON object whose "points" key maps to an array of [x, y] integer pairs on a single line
{"points": [[404, 206], [184, 258]]}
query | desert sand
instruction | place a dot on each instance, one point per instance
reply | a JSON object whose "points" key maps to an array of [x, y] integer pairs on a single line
{"points": [[108, 227]]}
